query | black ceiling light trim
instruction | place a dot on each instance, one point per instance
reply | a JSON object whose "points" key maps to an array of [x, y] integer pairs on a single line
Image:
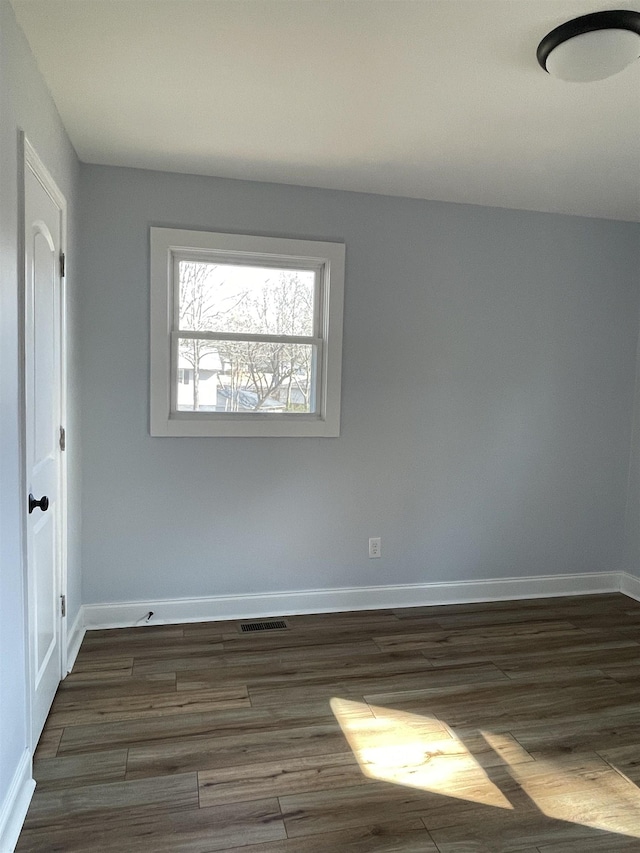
{"points": [[618, 19]]}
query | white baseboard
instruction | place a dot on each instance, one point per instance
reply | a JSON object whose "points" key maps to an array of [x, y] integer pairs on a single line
{"points": [[16, 803], [166, 611], [75, 635], [630, 585]]}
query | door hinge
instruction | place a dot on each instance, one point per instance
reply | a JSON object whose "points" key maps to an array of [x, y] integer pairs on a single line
{"points": [[63, 438], [62, 264], [63, 605]]}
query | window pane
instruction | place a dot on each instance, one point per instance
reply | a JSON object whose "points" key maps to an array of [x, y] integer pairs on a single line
{"points": [[245, 299], [245, 376]]}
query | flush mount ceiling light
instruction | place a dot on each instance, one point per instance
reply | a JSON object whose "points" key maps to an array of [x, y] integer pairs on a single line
{"points": [[592, 47]]}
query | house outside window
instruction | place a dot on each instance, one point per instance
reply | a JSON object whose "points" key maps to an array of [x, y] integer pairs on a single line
{"points": [[246, 335]]}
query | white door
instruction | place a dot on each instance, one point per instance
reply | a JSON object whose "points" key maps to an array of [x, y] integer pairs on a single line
{"points": [[43, 208]]}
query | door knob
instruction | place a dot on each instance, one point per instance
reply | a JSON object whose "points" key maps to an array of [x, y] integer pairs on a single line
{"points": [[43, 503]]}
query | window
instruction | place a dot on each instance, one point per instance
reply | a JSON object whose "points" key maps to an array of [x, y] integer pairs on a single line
{"points": [[246, 335]]}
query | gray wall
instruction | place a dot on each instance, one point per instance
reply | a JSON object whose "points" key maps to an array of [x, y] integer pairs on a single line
{"points": [[489, 362], [631, 559], [25, 103]]}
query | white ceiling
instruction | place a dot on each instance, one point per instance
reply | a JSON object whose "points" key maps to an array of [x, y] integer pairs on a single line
{"points": [[436, 99]]}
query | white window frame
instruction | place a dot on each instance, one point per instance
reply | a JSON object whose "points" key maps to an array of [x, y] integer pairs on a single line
{"points": [[168, 245]]}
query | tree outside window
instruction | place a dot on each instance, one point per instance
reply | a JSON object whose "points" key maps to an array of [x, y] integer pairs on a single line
{"points": [[247, 375]]}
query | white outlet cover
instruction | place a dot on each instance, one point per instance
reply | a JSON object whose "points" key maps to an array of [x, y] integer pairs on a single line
{"points": [[375, 547]]}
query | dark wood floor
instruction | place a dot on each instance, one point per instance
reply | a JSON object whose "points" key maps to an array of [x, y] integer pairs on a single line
{"points": [[460, 729]]}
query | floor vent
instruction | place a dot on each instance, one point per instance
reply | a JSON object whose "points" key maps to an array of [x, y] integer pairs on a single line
{"points": [[250, 627]]}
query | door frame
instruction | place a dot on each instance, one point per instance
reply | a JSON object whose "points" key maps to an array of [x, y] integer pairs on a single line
{"points": [[28, 159]]}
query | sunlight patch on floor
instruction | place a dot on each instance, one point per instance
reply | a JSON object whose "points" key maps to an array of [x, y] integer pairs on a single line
{"points": [[414, 751], [586, 791], [420, 751]]}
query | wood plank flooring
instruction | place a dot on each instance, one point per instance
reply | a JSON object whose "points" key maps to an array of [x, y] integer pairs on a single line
{"points": [[483, 728]]}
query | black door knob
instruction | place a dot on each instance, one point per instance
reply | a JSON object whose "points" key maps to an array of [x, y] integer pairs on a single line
{"points": [[43, 503]]}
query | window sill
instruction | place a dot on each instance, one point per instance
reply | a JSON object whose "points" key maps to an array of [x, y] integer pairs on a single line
{"points": [[252, 426]]}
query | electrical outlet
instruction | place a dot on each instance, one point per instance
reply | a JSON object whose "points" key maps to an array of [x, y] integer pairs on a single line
{"points": [[375, 547]]}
